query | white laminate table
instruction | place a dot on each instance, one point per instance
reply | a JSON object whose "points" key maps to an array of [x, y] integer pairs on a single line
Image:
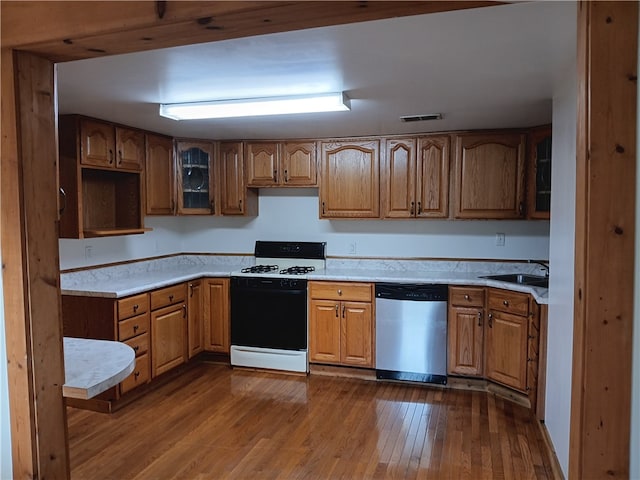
{"points": [[93, 366]]}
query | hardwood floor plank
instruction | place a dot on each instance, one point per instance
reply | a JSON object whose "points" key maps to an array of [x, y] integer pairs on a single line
{"points": [[216, 422]]}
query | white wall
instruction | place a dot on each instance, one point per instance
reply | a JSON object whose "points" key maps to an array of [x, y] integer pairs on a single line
{"points": [[292, 214], [5, 427], [561, 260]]}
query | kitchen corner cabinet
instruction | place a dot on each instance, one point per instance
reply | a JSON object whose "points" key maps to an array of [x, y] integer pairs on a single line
{"points": [[539, 173], [416, 177], [216, 315], [489, 176], [100, 178], [235, 197], [341, 326], [281, 164], [196, 179], [350, 179], [507, 338], [160, 190], [466, 331], [169, 343], [195, 307]]}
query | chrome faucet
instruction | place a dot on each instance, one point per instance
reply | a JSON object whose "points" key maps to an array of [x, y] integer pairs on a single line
{"points": [[544, 265]]}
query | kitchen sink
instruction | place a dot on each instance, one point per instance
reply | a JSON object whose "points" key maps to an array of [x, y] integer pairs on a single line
{"points": [[521, 278]]}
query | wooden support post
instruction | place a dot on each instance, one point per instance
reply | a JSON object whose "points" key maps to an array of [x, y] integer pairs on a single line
{"points": [[605, 235]]}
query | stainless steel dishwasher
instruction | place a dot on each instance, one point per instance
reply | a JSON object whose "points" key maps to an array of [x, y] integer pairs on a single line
{"points": [[411, 332]]}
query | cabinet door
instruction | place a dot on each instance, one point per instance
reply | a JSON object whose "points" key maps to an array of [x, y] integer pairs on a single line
{"points": [[539, 173], [350, 180], [97, 144], [506, 349], [168, 338], [262, 164], [432, 186], [216, 315], [324, 331], [160, 187], [195, 315], [356, 343], [232, 178], [489, 176], [298, 162], [129, 149], [465, 333], [399, 179], [195, 192]]}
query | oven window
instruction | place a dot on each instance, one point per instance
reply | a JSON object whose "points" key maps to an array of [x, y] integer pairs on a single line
{"points": [[269, 318]]}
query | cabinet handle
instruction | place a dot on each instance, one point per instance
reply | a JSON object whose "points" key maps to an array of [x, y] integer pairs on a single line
{"points": [[530, 337], [337, 307], [339, 292], [213, 206], [110, 157], [323, 208], [184, 311], [240, 204], [171, 298], [136, 375], [136, 348], [466, 296], [136, 327], [419, 208], [119, 157], [505, 303], [521, 209], [411, 210], [480, 318], [286, 176], [173, 206], [191, 289], [135, 308], [344, 308], [275, 176], [63, 194], [490, 320]]}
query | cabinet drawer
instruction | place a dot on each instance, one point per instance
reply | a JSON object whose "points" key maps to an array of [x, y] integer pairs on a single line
{"points": [[140, 344], [130, 306], [168, 296], [359, 292], [140, 374], [466, 296], [133, 326], [509, 302]]}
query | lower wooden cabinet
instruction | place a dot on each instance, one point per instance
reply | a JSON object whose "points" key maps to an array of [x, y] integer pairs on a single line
{"points": [[216, 315], [168, 329], [506, 358], [195, 310], [341, 323], [140, 375], [466, 331]]}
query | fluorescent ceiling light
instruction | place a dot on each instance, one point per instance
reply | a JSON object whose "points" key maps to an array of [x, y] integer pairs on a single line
{"points": [[252, 107]]}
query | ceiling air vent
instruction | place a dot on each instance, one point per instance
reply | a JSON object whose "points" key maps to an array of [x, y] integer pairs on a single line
{"points": [[421, 118]]}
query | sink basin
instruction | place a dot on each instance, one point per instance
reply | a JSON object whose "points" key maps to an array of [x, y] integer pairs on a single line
{"points": [[521, 278]]}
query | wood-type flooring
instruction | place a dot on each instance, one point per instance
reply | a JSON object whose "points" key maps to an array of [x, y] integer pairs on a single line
{"points": [[214, 422]]}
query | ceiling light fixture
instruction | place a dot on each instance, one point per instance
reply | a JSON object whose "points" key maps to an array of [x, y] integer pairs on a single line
{"points": [[253, 107]]}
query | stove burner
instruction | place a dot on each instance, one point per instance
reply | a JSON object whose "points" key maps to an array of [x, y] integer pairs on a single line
{"points": [[297, 270], [260, 269]]}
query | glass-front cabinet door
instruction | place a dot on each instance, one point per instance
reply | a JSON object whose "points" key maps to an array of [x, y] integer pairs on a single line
{"points": [[195, 178], [539, 175]]}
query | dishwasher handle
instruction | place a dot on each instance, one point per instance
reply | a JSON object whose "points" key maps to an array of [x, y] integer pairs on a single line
{"points": [[413, 292]]}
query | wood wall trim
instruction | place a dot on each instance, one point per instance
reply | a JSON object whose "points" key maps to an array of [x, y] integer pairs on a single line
{"points": [[95, 29], [605, 236]]}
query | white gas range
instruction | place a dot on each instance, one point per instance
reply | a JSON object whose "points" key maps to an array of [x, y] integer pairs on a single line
{"points": [[269, 306]]}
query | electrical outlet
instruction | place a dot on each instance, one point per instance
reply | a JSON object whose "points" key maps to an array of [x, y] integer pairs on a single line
{"points": [[352, 248], [88, 251], [500, 239]]}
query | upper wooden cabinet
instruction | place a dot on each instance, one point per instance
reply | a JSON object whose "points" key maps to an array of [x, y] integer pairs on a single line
{"points": [[235, 198], [415, 177], [350, 179], [539, 173], [489, 176], [196, 179], [159, 176], [102, 193], [281, 164], [108, 146]]}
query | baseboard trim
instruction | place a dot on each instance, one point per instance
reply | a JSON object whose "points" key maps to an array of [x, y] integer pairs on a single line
{"points": [[556, 470]]}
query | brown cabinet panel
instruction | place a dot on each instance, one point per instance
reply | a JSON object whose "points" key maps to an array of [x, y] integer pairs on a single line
{"points": [[399, 174], [299, 164], [139, 376], [539, 173], [235, 198], [134, 305], [168, 338], [216, 315], [262, 164], [465, 331], [140, 344], [133, 326], [506, 349], [159, 176], [350, 179], [432, 186], [168, 296], [356, 339], [324, 331], [195, 317], [130, 149], [341, 291], [489, 176], [196, 179], [467, 296], [509, 302], [97, 144]]}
